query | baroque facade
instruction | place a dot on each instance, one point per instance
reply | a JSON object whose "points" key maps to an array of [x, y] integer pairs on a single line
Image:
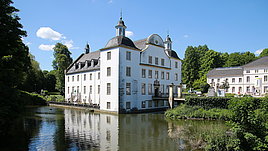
{"points": [[124, 75], [250, 79]]}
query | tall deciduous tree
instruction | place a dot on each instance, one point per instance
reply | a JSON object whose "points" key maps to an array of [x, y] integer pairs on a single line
{"points": [[62, 60], [14, 61], [264, 52], [191, 64]]}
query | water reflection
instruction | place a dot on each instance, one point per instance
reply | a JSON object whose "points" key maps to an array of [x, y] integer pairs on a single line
{"points": [[49, 128]]}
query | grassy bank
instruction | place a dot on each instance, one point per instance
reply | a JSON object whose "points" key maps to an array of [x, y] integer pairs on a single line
{"points": [[247, 118]]}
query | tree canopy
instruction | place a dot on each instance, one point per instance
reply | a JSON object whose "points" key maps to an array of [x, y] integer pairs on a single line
{"points": [[62, 60]]}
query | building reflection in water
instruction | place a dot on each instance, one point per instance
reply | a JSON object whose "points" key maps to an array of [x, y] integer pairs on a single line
{"points": [[129, 132], [86, 130]]}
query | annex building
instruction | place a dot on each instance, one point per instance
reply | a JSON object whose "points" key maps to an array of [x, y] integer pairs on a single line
{"points": [[251, 78], [124, 75]]}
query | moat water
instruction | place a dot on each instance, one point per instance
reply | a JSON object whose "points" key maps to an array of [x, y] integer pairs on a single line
{"points": [[50, 128]]}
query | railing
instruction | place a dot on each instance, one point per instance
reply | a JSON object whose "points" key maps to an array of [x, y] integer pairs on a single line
{"points": [[76, 104]]}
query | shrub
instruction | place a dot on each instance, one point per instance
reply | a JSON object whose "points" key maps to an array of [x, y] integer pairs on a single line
{"points": [[31, 98], [208, 102], [55, 98]]}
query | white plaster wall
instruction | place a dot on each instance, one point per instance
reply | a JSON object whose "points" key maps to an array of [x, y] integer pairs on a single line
{"points": [[244, 84], [85, 97], [113, 79]]}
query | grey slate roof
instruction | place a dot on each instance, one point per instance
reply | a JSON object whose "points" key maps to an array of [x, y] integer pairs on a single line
{"points": [[229, 71], [120, 40], [89, 62], [262, 62], [141, 44]]}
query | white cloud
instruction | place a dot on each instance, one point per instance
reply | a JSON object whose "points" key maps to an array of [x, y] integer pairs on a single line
{"points": [[186, 36], [257, 52], [48, 33], [129, 33], [46, 47], [69, 44], [110, 1]]}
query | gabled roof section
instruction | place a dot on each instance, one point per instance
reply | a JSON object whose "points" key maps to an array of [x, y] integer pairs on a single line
{"points": [[229, 71], [262, 62], [141, 44], [88, 62]]}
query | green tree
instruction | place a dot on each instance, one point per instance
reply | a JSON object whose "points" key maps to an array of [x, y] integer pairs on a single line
{"points": [[264, 52], [50, 79], [192, 63], [61, 62], [34, 79], [14, 61], [248, 57], [210, 59]]}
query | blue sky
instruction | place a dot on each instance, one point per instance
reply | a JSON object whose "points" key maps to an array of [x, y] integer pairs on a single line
{"points": [[225, 26]]}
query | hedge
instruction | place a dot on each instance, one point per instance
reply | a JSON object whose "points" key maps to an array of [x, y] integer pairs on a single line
{"points": [[31, 98], [208, 102]]}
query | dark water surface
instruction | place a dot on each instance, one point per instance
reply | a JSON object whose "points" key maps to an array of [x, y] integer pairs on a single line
{"points": [[51, 128]]}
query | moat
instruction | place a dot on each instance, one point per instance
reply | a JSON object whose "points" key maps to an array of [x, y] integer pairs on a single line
{"points": [[51, 128]]}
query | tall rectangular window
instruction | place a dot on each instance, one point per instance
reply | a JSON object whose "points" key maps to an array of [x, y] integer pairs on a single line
{"points": [[150, 60], [77, 89], [128, 55], [143, 73], [143, 104], [248, 78], [73, 78], [72, 89], [98, 89], [108, 105], [150, 87], [108, 88], [233, 80], [108, 71], [108, 55], [240, 89], [248, 89], [256, 71], [90, 89], [77, 77], [265, 78], [98, 75], [167, 89], [233, 89], [128, 71], [68, 90], [167, 76], [128, 88], [162, 75], [85, 77], [150, 103], [163, 62], [143, 88], [176, 76], [85, 91], [128, 105], [265, 70], [156, 74], [90, 76], [150, 73], [240, 80], [176, 64], [156, 60], [68, 78]]}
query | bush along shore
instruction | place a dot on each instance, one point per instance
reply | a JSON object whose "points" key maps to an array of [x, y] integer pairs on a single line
{"points": [[247, 118]]}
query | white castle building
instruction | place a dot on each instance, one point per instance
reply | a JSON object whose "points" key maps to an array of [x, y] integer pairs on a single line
{"points": [[249, 79], [125, 75]]}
